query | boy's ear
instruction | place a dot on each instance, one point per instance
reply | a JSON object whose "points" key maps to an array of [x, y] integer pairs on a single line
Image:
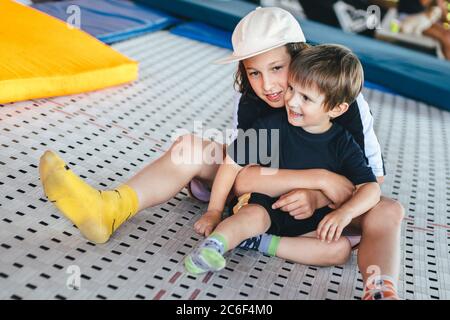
{"points": [[338, 110]]}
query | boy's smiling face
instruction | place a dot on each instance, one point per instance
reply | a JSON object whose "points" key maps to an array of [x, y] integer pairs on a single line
{"points": [[305, 108], [268, 73]]}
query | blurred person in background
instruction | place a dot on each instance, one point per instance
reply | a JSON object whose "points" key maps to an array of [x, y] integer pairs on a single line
{"points": [[428, 18]]}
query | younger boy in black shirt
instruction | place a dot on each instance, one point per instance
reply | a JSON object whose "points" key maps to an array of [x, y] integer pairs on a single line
{"points": [[323, 81]]}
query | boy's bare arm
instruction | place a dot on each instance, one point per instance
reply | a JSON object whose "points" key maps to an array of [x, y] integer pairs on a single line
{"points": [[276, 182], [223, 183], [301, 203], [222, 186], [366, 196]]}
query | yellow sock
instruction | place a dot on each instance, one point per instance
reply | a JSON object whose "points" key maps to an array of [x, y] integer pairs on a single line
{"points": [[97, 214]]}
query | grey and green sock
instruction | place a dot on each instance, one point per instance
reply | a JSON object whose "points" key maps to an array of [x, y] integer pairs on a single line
{"points": [[208, 256], [269, 244], [265, 243]]}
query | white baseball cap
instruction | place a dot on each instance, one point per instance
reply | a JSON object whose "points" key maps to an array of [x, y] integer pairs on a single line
{"points": [[262, 30]]}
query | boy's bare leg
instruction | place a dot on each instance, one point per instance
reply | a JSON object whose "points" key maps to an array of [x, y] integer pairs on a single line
{"points": [[379, 250], [98, 213], [309, 250], [380, 242], [251, 220], [165, 177]]}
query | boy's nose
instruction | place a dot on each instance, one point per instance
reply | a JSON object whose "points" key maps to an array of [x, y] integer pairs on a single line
{"points": [[267, 84]]}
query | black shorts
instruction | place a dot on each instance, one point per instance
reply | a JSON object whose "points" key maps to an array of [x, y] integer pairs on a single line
{"points": [[282, 223]]}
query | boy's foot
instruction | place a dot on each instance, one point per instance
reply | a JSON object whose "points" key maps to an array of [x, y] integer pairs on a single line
{"points": [[204, 260], [209, 255], [97, 214]]}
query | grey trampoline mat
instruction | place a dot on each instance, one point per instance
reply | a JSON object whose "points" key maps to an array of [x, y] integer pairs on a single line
{"points": [[108, 135]]}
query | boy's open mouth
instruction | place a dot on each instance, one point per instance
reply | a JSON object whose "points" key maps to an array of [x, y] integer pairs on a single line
{"points": [[295, 115], [274, 97]]}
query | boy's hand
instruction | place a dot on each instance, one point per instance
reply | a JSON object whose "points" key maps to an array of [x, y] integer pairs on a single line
{"points": [[337, 188], [208, 222], [300, 203], [330, 228]]}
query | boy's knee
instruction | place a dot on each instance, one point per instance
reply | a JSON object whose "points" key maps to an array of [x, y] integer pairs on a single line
{"points": [[187, 140], [240, 187], [397, 211], [243, 181], [255, 213], [254, 210], [187, 149], [340, 252], [182, 142], [387, 213], [393, 211]]}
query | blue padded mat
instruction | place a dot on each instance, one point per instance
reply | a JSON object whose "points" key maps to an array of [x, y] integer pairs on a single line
{"points": [[412, 74], [223, 14], [110, 20], [204, 33], [378, 87]]}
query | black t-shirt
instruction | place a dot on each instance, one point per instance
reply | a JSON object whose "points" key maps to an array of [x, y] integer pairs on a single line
{"points": [[286, 146]]}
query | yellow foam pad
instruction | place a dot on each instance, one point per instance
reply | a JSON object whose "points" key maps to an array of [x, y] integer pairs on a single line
{"points": [[41, 56]]}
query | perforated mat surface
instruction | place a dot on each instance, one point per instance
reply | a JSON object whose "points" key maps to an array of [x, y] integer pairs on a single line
{"points": [[107, 136]]}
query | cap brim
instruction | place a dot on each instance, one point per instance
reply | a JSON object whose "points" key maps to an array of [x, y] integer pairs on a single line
{"points": [[232, 58]]}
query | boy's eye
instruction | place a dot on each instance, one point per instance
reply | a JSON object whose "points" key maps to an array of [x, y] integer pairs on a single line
{"points": [[277, 68], [305, 98], [290, 88]]}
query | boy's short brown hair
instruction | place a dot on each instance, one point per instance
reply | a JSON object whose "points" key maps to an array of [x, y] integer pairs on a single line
{"points": [[334, 70]]}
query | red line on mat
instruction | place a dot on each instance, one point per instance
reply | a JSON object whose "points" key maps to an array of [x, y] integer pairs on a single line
{"points": [[98, 125], [421, 229], [159, 149], [155, 147], [207, 277], [87, 114], [155, 140], [430, 224], [440, 225], [194, 294], [159, 295], [120, 127], [57, 103], [67, 113], [175, 277], [130, 137]]}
